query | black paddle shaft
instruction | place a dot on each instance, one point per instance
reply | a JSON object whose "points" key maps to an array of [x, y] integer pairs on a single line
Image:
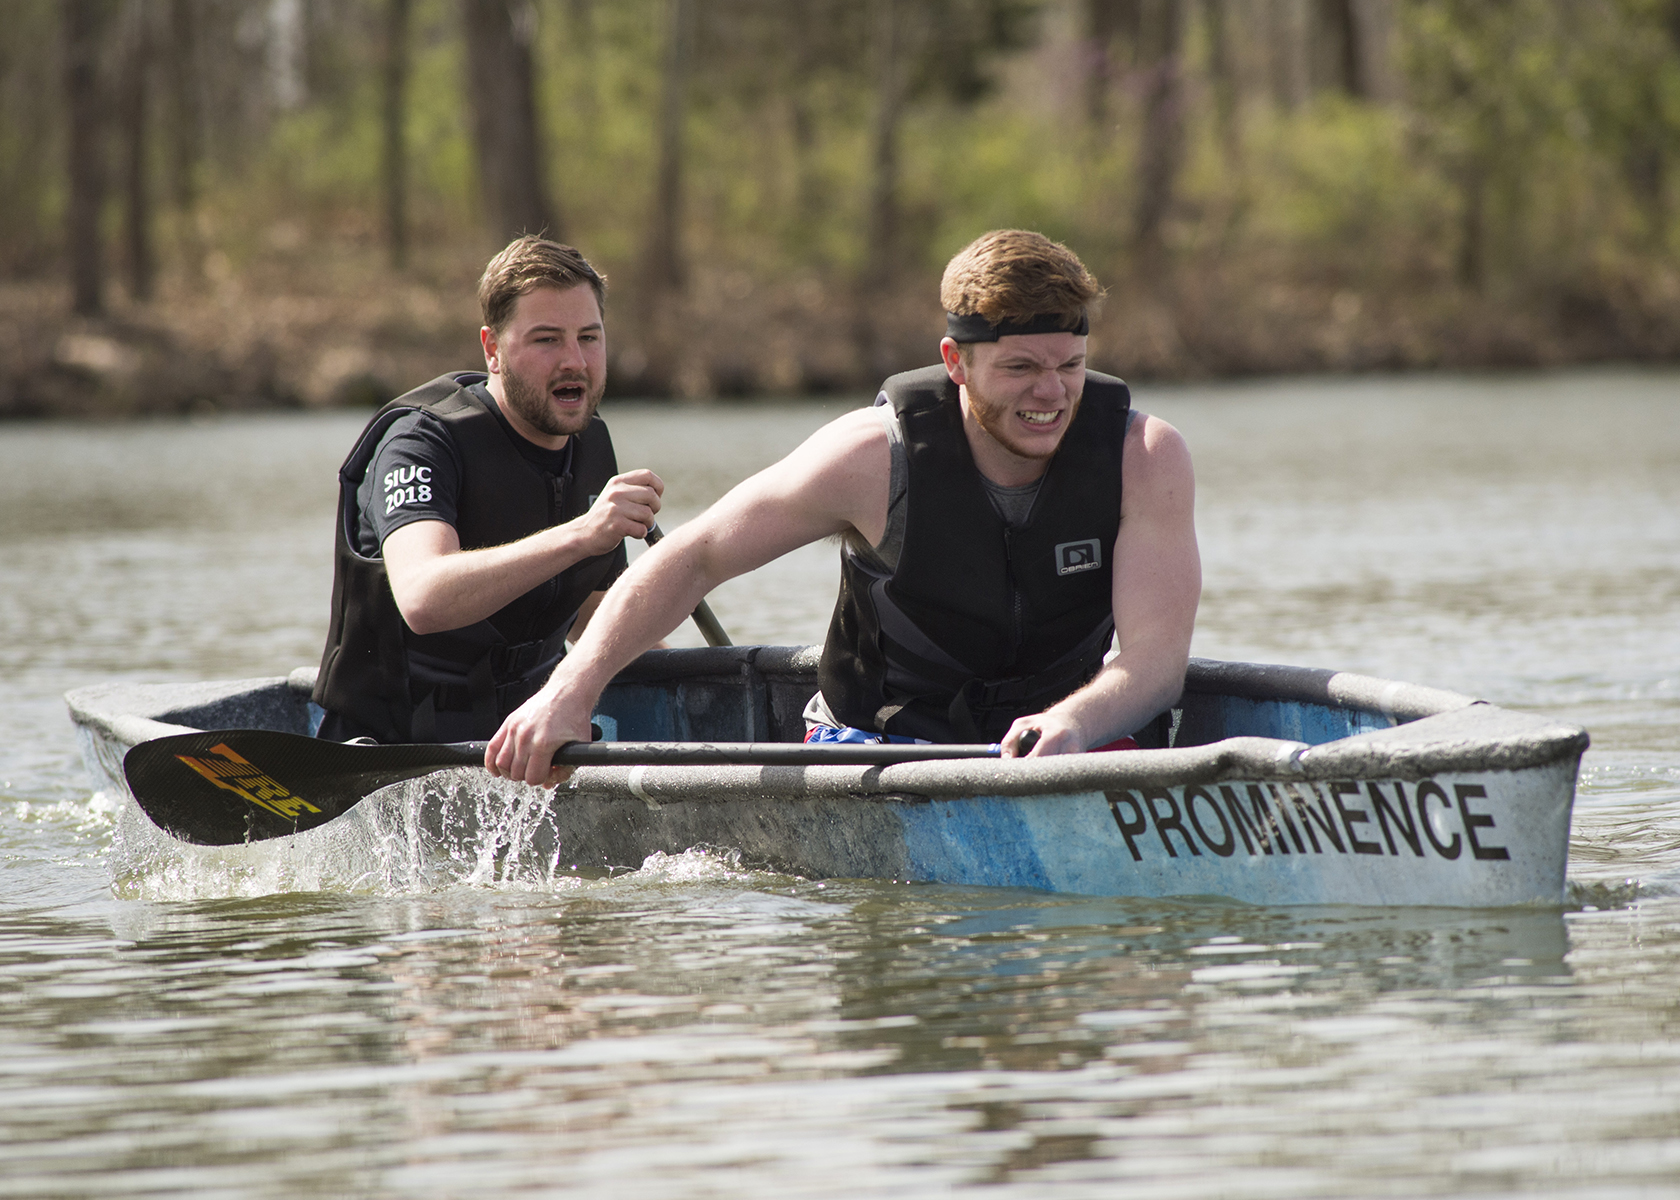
{"points": [[224, 787]]}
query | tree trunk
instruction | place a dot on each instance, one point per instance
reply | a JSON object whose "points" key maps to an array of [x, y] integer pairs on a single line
{"points": [[1106, 22], [1162, 149], [1286, 40], [1472, 244], [1331, 49], [1371, 30], [888, 52], [1224, 76], [808, 191], [883, 145], [501, 84], [580, 21], [84, 25], [664, 270], [811, 35], [395, 108], [185, 121], [183, 129], [137, 200], [1647, 153]]}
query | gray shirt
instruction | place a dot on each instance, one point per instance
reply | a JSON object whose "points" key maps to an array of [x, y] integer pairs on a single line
{"points": [[1013, 504]]}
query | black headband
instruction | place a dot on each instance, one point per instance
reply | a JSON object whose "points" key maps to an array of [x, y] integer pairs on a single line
{"points": [[972, 327]]}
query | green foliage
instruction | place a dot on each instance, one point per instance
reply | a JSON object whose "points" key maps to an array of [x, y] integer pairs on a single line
{"points": [[962, 41], [598, 102], [1333, 182], [1627, 81], [1557, 124], [440, 155], [1531, 144], [999, 168]]}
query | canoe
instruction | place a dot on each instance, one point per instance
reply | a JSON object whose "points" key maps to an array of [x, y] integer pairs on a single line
{"points": [[1265, 784]]}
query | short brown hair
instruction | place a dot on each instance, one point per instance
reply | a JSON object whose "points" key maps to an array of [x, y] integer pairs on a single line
{"points": [[1014, 275], [531, 262]]}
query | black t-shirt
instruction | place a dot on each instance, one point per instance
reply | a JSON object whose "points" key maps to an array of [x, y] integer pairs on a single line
{"points": [[415, 474]]}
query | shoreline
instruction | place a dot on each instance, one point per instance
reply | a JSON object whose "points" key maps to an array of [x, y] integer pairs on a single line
{"points": [[288, 339]]}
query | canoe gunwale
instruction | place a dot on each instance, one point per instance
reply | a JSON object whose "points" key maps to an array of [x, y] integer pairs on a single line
{"points": [[1438, 731], [1399, 702], [1496, 741]]}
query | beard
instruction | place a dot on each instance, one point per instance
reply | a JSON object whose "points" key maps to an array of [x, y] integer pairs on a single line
{"points": [[995, 417], [532, 402]]}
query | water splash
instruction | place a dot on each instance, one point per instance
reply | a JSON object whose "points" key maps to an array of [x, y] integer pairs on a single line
{"points": [[697, 864], [454, 829]]}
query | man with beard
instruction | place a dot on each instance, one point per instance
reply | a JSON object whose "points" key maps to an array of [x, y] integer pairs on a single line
{"points": [[989, 550], [481, 518]]}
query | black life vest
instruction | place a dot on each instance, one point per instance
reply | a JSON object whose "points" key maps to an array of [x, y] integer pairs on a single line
{"points": [[980, 623], [389, 682]]}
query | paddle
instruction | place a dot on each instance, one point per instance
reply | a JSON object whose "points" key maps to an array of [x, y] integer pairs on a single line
{"points": [[704, 619], [224, 787]]}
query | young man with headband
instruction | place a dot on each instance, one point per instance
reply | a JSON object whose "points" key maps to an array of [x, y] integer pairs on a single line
{"points": [[1004, 516]]}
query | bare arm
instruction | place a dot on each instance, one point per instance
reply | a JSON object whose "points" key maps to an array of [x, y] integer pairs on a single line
{"points": [[586, 612], [1157, 585], [439, 586], [836, 480]]}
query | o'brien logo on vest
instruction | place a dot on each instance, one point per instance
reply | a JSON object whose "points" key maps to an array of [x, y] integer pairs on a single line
{"points": [[1074, 557]]}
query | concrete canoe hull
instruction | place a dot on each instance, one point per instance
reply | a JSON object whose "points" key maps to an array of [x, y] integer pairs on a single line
{"points": [[1267, 785]]}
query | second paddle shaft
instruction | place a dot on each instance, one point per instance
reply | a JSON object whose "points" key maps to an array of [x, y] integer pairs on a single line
{"points": [[761, 754], [721, 754]]}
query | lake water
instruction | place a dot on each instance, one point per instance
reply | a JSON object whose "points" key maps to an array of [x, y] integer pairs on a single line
{"points": [[695, 1029]]}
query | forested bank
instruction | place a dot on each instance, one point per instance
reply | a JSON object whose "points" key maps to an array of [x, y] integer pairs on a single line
{"points": [[215, 203]]}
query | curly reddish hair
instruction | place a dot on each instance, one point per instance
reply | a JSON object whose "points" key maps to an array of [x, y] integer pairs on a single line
{"points": [[1016, 274]]}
